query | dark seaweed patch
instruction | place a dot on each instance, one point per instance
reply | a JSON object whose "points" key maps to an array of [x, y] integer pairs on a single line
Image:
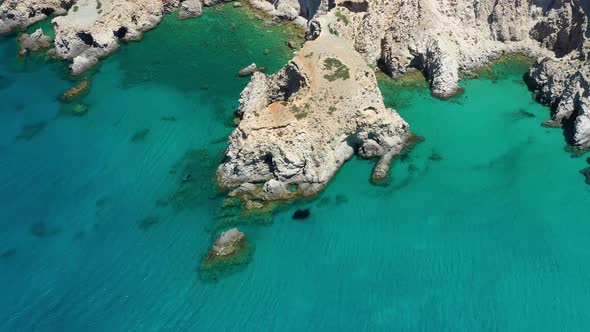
{"points": [[301, 214], [140, 135], [435, 156], [42, 230], [148, 222], [8, 253], [31, 130]]}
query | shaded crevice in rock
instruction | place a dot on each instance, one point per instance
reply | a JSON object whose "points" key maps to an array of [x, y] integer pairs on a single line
{"points": [[86, 38], [355, 6], [120, 33]]}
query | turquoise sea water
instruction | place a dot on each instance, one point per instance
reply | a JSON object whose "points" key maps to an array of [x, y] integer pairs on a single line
{"points": [[483, 228]]}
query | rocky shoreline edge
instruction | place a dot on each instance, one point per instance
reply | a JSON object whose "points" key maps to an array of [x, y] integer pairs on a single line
{"points": [[298, 126]]}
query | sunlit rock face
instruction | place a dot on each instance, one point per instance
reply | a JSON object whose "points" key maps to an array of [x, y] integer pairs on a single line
{"points": [[300, 125]]}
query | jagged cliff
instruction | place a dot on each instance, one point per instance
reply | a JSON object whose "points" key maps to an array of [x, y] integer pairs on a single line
{"points": [[442, 38]]}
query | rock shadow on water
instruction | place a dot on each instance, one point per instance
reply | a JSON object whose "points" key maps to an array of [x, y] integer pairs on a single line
{"points": [[341, 199], [29, 131], [42, 230], [148, 222], [140, 135], [434, 156], [234, 212]]}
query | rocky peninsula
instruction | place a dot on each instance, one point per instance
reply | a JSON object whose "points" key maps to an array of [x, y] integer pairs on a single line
{"points": [[300, 125]]}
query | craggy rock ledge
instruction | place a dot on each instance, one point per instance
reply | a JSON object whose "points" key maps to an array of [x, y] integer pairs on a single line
{"points": [[89, 30], [300, 125], [444, 38]]}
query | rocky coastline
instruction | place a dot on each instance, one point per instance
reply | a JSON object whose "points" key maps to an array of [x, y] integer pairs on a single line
{"points": [[301, 124]]}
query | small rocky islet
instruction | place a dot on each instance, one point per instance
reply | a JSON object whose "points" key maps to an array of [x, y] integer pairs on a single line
{"points": [[298, 126]]}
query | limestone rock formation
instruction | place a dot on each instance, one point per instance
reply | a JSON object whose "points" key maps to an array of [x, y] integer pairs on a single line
{"points": [[33, 42], [226, 245], [249, 70], [299, 11], [19, 14], [190, 8], [300, 125], [443, 38], [91, 29], [563, 81]]}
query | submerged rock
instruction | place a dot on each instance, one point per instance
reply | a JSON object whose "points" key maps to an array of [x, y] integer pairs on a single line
{"points": [[148, 222], [33, 42], [42, 230], [230, 252], [78, 89], [140, 135]]}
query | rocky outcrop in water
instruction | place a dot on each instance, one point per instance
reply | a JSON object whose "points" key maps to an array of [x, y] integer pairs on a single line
{"points": [[229, 243], [190, 8], [33, 42], [300, 125], [440, 38]]}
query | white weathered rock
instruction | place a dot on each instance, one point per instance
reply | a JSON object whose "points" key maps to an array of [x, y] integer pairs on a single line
{"points": [[249, 70], [190, 8], [33, 42], [228, 243], [443, 38], [300, 125], [19, 14]]}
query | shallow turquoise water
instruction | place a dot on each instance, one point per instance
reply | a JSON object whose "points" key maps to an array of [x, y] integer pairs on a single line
{"points": [[482, 228]]}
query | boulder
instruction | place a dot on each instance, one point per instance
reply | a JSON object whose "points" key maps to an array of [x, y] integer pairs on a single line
{"points": [[190, 8], [33, 42], [227, 244]]}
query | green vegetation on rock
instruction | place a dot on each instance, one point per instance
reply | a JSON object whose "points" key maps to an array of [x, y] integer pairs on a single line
{"points": [[340, 71]]}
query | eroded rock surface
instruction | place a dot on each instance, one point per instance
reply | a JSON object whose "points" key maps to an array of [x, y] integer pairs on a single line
{"points": [[226, 245], [33, 42], [442, 38], [19, 14], [300, 125]]}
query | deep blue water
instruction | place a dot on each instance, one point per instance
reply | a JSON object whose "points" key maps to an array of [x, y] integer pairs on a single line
{"points": [[483, 227]]}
